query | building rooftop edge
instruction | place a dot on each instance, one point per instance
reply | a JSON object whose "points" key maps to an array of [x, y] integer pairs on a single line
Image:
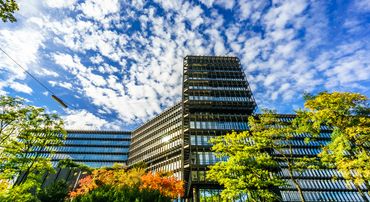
{"points": [[164, 111]]}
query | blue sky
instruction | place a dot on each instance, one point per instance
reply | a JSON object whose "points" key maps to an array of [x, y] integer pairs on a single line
{"points": [[118, 64]]}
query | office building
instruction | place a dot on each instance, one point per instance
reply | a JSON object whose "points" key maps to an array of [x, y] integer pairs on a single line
{"points": [[93, 148], [158, 142], [216, 99]]}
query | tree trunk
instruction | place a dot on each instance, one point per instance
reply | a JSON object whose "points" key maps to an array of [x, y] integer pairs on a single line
{"points": [[27, 172], [296, 184]]}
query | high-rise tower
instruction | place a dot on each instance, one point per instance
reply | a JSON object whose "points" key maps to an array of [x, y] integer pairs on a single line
{"points": [[216, 99]]}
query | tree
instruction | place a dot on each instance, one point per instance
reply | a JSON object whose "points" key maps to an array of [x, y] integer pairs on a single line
{"points": [[21, 193], [7, 9], [253, 158], [56, 192], [26, 132], [69, 163], [348, 115], [120, 184], [247, 173], [11, 114], [167, 185]]}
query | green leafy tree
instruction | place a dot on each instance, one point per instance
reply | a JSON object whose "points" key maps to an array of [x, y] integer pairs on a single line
{"points": [[254, 157], [281, 134], [69, 163], [247, 173], [7, 9], [26, 132], [348, 115], [11, 114], [107, 193], [22, 193]]}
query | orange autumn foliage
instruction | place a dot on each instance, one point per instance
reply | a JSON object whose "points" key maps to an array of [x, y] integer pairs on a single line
{"points": [[167, 185], [86, 184]]}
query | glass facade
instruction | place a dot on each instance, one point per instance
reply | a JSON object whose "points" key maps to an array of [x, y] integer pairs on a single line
{"points": [[216, 100], [158, 143], [317, 185], [93, 148]]}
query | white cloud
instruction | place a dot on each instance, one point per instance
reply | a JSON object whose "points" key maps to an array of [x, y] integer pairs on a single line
{"points": [[21, 42], [20, 87], [126, 58], [228, 4], [97, 59], [208, 3], [84, 120], [362, 5], [99, 9], [22, 45], [60, 4], [280, 61], [66, 85], [251, 9], [167, 5], [47, 72]]}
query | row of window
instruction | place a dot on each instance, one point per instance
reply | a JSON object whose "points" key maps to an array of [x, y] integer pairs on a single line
{"points": [[322, 196], [218, 125], [312, 173], [215, 79], [155, 131], [101, 149], [213, 74], [102, 157], [169, 165], [201, 140], [162, 119], [154, 139], [286, 119], [155, 152], [206, 158], [218, 88], [97, 142], [219, 60], [90, 164], [298, 151], [215, 70], [157, 137], [321, 135], [303, 143], [321, 184], [102, 136], [204, 139], [220, 99]]}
